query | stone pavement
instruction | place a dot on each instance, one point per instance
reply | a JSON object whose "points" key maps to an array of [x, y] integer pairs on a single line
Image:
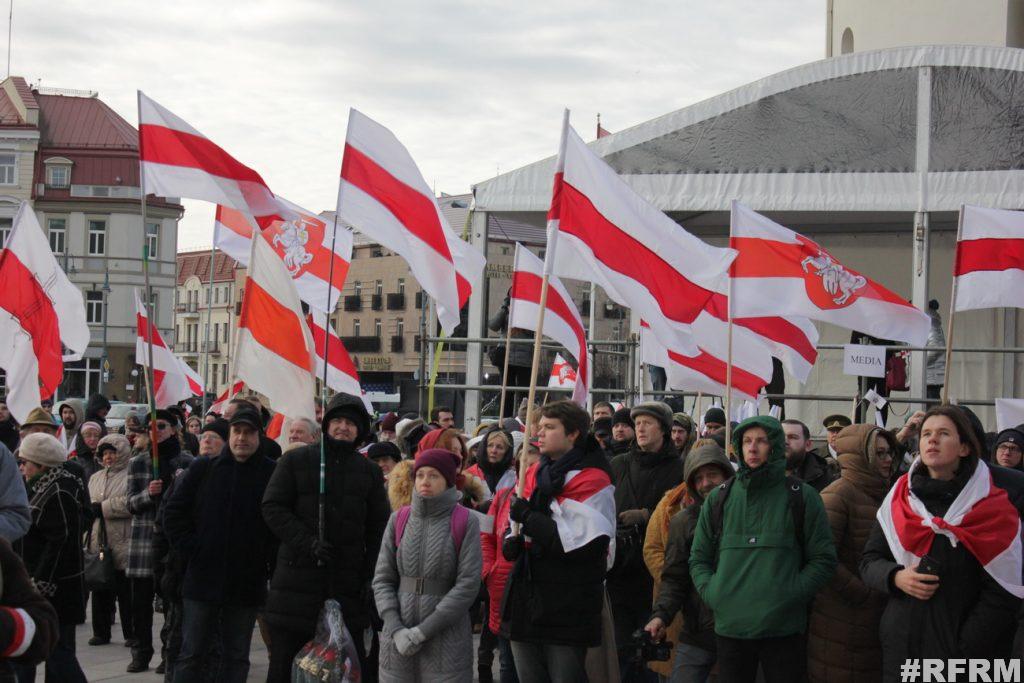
{"points": [[108, 662]]}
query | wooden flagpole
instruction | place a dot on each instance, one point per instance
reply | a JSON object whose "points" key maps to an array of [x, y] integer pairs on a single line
{"points": [[148, 371], [728, 366], [952, 313]]}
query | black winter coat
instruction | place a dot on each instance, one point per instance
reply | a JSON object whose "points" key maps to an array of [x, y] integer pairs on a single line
{"points": [[970, 615], [357, 513], [18, 592], [52, 548], [553, 596], [213, 521], [641, 480]]}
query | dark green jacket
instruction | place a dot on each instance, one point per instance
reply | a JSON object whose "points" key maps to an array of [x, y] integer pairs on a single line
{"points": [[761, 584]]}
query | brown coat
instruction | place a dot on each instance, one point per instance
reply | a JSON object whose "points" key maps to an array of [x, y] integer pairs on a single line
{"points": [[654, 558], [843, 642]]}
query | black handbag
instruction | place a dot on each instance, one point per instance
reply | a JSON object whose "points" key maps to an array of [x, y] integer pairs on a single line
{"points": [[100, 572]]}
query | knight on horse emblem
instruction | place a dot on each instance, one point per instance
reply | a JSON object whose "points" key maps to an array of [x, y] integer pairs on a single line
{"points": [[840, 283]]}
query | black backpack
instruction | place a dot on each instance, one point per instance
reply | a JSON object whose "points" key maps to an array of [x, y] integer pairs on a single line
{"points": [[796, 506]]}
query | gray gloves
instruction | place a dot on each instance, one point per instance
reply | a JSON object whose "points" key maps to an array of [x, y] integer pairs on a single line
{"points": [[408, 641]]}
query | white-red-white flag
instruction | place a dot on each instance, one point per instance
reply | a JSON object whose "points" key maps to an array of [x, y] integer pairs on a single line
{"points": [[600, 230], [39, 310], [221, 403], [304, 244], [989, 264], [383, 194], [981, 517], [704, 371], [274, 353], [342, 374], [179, 161], [781, 273], [562, 374], [562, 321], [173, 379]]}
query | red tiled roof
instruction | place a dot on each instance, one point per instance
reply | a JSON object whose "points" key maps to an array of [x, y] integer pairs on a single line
{"points": [[83, 122], [197, 264]]}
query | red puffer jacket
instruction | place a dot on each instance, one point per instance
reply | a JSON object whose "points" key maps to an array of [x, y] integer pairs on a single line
{"points": [[495, 567]]}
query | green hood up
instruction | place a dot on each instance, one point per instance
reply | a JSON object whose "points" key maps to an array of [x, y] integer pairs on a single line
{"points": [[773, 471]]}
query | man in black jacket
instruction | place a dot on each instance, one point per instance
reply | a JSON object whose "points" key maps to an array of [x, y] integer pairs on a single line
{"points": [[338, 561], [213, 520], [706, 467], [802, 462], [555, 594], [641, 478]]}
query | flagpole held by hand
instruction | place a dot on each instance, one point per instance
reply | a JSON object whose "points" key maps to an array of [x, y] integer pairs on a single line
{"points": [[148, 371]]}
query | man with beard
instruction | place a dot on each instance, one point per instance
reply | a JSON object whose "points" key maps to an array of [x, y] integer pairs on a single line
{"points": [[804, 464], [145, 496], [71, 412], [623, 432], [96, 409], [337, 561], [706, 467]]}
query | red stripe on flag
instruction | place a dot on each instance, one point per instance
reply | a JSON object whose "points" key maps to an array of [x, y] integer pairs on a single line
{"points": [[26, 301], [415, 211], [142, 329], [275, 426], [337, 353], [759, 257], [273, 326], [678, 298], [715, 369], [161, 145], [988, 254], [773, 328], [526, 286]]}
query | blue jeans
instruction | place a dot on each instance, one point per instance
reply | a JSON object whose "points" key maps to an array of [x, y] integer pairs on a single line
{"points": [[199, 621], [692, 665], [506, 664]]}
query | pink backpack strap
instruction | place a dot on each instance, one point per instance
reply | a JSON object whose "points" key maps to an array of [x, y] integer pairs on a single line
{"points": [[460, 520], [401, 518]]}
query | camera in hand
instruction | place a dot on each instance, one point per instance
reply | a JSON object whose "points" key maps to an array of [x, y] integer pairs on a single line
{"points": [[646, 650]]}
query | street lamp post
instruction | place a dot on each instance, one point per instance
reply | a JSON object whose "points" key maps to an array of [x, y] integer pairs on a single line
{"points": [[105, 363]]}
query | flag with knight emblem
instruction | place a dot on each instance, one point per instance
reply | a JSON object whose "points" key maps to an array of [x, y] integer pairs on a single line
{"points": [[562, 374], [778, 272]]}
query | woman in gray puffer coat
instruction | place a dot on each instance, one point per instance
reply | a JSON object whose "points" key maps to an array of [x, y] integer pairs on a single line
{"points": [[427, 577]]}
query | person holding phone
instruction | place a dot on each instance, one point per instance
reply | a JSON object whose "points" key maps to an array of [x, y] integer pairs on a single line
{"points": [[942, 548]]}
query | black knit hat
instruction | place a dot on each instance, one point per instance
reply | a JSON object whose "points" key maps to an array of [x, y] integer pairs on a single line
{"points": [[165, 415], [621, 416], [384, 449], [220, 427]]}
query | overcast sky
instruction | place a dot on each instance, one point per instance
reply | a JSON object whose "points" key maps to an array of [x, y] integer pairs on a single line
{"points": [[469, 87]]}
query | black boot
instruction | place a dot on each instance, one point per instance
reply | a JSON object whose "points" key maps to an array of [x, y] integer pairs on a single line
{"points": [[140, 661]]}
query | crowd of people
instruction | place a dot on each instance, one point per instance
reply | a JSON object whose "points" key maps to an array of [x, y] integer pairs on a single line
{"points": [[639, 545]]}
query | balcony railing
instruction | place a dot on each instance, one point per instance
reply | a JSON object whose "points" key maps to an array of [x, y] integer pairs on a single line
{"points": [[361, 344], [353, 302], [397, 343], [396, 302], [376, 302]]}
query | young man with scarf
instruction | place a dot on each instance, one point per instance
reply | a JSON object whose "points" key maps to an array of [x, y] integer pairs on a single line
{"points": [[554, 596], [947, 551]]}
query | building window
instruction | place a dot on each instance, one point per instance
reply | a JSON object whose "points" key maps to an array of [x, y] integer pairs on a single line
{"points": [[401, 285], [224, 373], [377, 328], [378, 287], [400, 327], [153, 240], [8, 169], [355, 328], [5, 231], [359, 288], [216, 332], [56, 228], [846, 44], [94, 307], [58, 176], [225, 335], [97, 238], [216, 295]]}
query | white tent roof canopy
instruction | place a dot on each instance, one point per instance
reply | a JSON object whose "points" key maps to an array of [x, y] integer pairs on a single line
{"points": [[904, 129]]}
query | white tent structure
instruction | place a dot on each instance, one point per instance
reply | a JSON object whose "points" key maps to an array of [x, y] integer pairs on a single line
{"points": [[871, 154]]}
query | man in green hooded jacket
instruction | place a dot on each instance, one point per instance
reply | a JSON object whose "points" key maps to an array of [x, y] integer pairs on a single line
{"points": [[754, 573]]}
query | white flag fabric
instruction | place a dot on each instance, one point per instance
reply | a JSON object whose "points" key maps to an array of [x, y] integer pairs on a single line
{"points": [[989, 265], [304, 244], [274, 354], [562, 374], [342, 374], [601, 231], [781, 273], [171, 382], [179, 161], [562, 321], [383, 194], [1009, 413]]}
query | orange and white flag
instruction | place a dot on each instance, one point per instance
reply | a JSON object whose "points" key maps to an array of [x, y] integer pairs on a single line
{"points": [[274, 354]]}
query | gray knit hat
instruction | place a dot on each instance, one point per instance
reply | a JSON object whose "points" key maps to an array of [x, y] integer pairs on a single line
{"points": [[656, 409], [42, 449]]}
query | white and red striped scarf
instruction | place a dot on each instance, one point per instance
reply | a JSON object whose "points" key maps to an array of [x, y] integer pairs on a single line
{"points": [[981, 517]]}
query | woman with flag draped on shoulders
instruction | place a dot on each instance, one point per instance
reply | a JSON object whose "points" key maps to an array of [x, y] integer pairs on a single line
{"points": [[946, 549]]}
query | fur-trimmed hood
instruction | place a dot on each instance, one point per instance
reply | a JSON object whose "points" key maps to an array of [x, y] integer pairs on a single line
{"points": [[400, 486]]}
